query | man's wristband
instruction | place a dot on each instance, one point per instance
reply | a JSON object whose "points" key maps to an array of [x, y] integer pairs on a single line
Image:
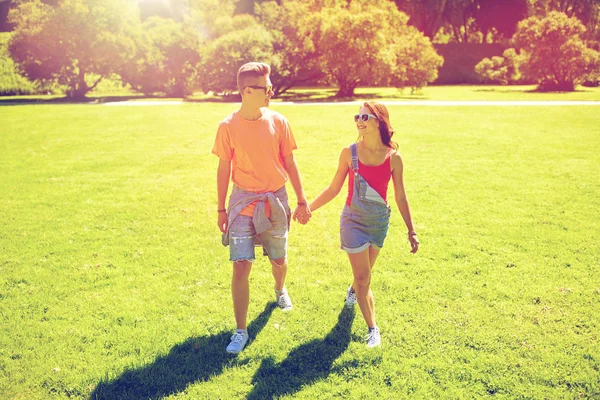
{"points": [[301, 203], [221, 210], [412, 233]]}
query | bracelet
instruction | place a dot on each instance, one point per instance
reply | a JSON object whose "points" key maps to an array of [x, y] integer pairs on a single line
{"points": [[412, 233], [221, 210], [301, 203]]}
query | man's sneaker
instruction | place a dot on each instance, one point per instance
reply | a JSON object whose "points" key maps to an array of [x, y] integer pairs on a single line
{"points": [[374, 339], [283, 300], [350, 297], [238, 341]]}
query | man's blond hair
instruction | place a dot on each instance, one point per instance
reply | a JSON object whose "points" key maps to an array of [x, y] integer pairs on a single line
{"points": [[249, 71]]}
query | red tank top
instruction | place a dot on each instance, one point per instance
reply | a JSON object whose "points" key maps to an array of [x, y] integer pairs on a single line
{"points": [[377, 176]]}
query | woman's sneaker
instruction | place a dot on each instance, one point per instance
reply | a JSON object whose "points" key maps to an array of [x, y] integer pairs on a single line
{"points": [[283, 300], [238, 341], [374, 339], [350, 297]]}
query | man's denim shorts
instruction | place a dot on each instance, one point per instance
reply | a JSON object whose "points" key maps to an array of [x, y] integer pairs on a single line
{"points": [[242, 237]]}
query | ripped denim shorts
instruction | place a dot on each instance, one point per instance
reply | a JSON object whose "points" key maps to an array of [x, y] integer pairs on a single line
{"points": [[241, 240]]}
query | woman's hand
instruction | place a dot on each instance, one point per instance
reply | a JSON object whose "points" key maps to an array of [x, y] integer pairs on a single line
{"points": [[414, 242], [302, 214]]}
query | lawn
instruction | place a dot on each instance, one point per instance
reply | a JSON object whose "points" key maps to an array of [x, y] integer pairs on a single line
{"points": [[114, 284]]}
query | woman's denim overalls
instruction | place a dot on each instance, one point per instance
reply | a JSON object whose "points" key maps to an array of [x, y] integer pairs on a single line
{"points": [[365, 222]]}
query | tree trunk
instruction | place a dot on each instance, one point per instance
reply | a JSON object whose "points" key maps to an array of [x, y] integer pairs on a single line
{"points": [[78, 87], [346, 89]]}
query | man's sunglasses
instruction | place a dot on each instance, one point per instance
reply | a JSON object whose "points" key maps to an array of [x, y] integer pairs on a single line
{"points": [[363, 117], [267, 89]]}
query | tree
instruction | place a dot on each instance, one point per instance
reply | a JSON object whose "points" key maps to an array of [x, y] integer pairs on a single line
{"points": [[92, 42], [289, 24], [501, 16], [209, 15], [553, 54], [365, 43], [587, 11], [224, 55], [426, 15], [417, 62], [167, 58]]}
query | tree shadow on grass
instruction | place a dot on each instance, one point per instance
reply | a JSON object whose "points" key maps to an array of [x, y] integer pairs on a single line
{"points": [[306, 364], [196, 359]]}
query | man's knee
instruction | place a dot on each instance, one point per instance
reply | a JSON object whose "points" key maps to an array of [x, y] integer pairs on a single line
{"points": [[241, 269], [279, 263]]}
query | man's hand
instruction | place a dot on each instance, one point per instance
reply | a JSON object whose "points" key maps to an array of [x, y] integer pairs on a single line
{"points": [[302, 214], [222, 221]]}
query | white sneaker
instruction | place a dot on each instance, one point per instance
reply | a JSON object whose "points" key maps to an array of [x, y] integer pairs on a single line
{"points": [[283, 300], [374, 339], [238, 341], [350, 297]]}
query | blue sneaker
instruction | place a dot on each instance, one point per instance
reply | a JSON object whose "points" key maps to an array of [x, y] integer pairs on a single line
{"points": [[238, 341], [350, 297], [283, 300]]}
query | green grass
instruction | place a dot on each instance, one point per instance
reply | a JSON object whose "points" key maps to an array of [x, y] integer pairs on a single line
{"points": [[113, 281]]}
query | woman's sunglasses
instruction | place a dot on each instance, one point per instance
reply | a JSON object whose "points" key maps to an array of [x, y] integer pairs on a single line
{"points": [[363, 117]]}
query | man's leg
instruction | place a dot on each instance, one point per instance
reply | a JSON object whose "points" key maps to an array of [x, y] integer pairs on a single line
{"points": [[279, 269], [241, 251], [275, 244], [240, 291]]}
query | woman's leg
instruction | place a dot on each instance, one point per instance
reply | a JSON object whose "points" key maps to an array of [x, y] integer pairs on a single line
{"points": [[362, 263]]}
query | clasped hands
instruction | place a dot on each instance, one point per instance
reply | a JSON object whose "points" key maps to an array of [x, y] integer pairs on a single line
{"points": [[302, 214]]}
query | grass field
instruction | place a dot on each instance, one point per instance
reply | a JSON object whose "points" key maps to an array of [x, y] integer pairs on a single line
{"points": [[114, 284]]}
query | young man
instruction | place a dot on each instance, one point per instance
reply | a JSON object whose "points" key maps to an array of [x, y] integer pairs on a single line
{"points": [[254, 146]]}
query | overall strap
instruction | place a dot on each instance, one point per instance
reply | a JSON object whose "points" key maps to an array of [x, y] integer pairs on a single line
{"points": [[354, 158]]}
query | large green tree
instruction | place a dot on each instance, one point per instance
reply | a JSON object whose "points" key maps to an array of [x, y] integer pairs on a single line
{"points": [[553, 53], [368, 42], [296, 54], [587, 11], [74, 45], [242, 41], [166, 60]]}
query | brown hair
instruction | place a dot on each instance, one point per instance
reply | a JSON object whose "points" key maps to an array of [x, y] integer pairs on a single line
{"points": [[385, 128], [249, 71]]}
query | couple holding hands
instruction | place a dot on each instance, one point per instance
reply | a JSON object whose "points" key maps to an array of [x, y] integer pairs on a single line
{"points": [[255, 148]]}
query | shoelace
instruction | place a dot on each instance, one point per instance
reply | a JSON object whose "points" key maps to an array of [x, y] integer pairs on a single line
{"points": [[237, 337], [283, 300], [372, 335]]}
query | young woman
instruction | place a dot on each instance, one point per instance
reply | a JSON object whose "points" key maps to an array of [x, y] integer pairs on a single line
{"points": [[371, 163]]}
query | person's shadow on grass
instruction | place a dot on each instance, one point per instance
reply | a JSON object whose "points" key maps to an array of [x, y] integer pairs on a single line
{"points": [[196, 359], [306, 364]]}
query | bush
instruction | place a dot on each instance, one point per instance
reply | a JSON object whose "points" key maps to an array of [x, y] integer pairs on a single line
{"points": [[460, 60], [502, 70], [11, 82], [553, 54]]}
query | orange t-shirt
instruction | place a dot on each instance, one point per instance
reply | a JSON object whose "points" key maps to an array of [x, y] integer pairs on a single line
{"points": [[256, 150]]}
